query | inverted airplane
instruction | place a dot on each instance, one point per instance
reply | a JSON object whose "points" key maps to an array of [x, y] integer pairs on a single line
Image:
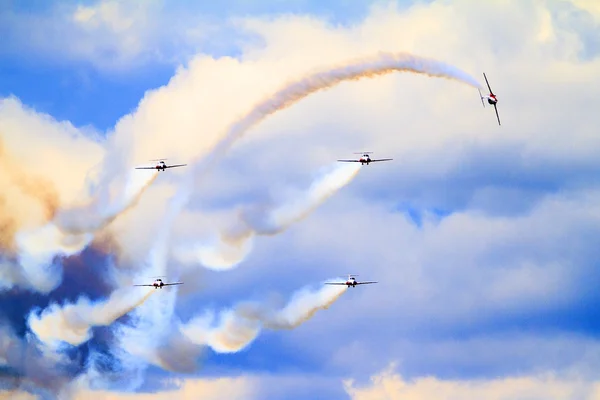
{"points": [[491, 98], [351, 281], [366, 159], [160, 165], [158, 284]]}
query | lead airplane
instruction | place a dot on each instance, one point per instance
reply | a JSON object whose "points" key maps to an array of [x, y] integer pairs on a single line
{"points": [[366, 159], [158, 284], [351, 281], [161, 166], [491, 98]]}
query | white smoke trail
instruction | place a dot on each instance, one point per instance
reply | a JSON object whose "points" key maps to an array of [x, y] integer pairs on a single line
{"points": [[105, 208], [233, 245], [292, 93], [219, 254], [235, 329], [71, 323], [275, 221]]}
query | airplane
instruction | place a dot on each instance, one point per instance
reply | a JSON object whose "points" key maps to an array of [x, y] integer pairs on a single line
{"points": [[158, 284], [365, 159], [491, 98], [160, 165], [349, 282]]}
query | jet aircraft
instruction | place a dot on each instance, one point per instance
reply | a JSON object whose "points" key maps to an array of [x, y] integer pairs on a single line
{"points": [[366, 159], [158, 284], [491, 98], [351, 281], [161, 166]]}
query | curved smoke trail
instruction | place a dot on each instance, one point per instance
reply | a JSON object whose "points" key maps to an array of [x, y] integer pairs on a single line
{"points": [[236, 328], [72, 323], [103, 210], [292, 93], [234, 244]]}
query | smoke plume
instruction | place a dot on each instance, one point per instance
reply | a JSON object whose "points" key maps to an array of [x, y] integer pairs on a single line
{"points": [[71, 323], [233, 244], [292, 93], [104, 209], [235, 329]]}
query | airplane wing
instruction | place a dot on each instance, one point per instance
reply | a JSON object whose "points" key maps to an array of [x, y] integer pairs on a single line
{"points": [[176, 283], [488, 84], [176, 165], [348, 160], [143, 285], [497, 116], [335, 283], [382, 159], [364, 283], [145, 167]]}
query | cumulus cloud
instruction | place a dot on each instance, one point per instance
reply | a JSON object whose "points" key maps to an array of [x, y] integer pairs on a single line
{"points": [[392, 386], [110, 35]]}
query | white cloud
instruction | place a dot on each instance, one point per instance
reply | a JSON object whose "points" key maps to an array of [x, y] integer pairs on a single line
{"points": [[392, 386], [110, 35]]}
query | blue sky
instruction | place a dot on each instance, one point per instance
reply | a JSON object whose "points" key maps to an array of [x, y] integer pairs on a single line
{"points": [[83, 94], [482, 238]]}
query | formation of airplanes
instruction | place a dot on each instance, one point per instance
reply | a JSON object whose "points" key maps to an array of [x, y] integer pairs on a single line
{"points": [[350, 282], [364, 158]]}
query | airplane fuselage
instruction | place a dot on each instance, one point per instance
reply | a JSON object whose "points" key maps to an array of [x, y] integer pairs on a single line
{"points": [[364, 160], [158, 285], [491, 99]]}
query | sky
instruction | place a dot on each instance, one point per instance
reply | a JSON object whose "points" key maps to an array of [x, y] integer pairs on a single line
{"points": [[482, 238]]}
